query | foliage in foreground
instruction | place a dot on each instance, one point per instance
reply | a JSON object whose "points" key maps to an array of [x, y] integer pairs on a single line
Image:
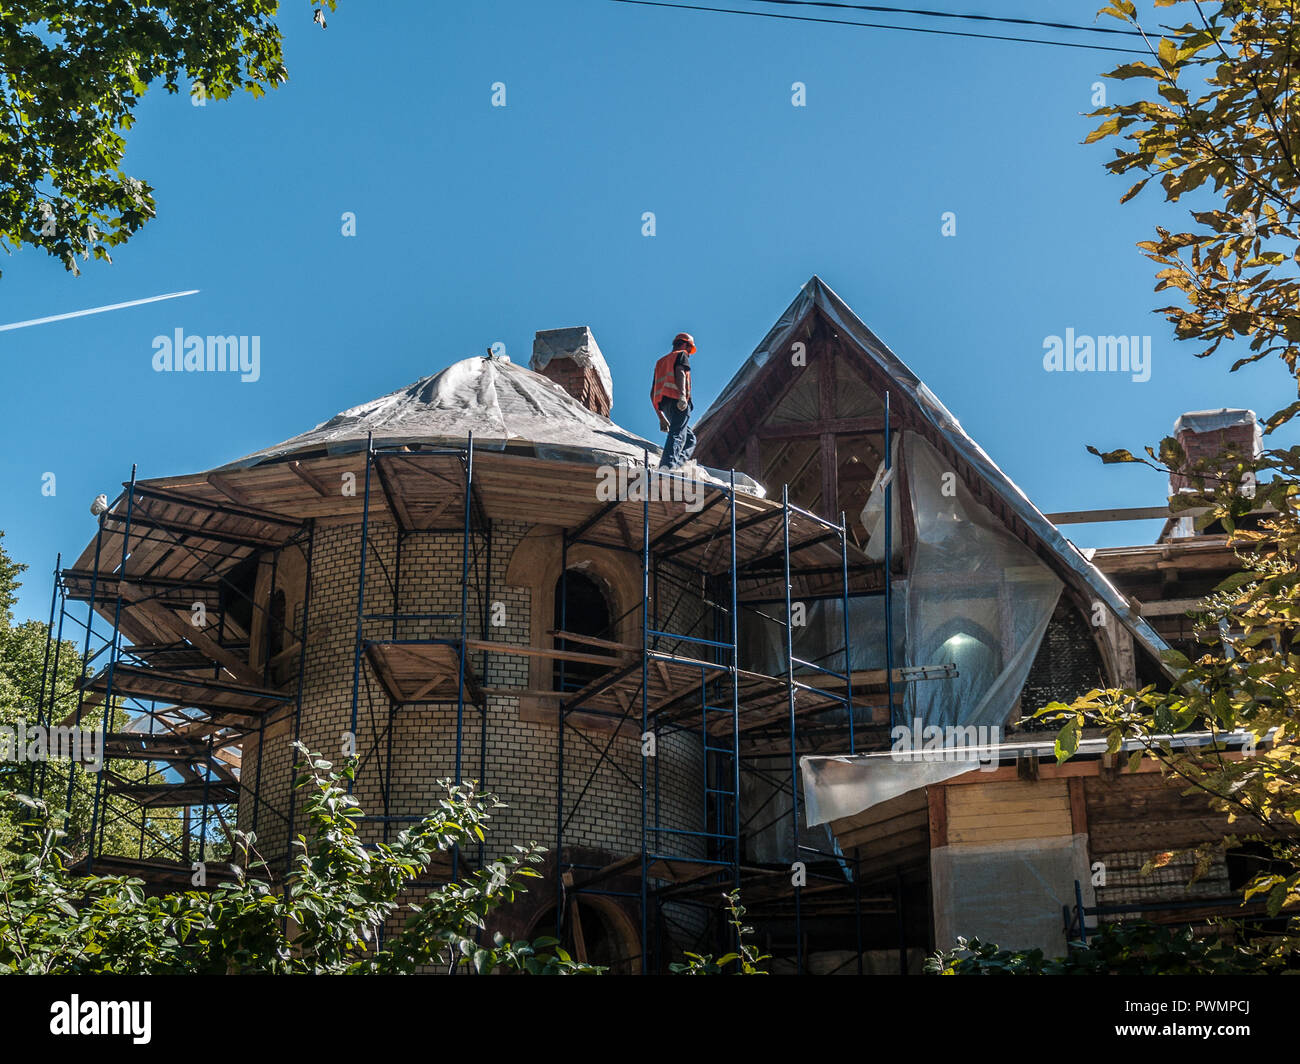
{"points": [[1238, 692], [1214, 124], [1215, 121], [326, 920], [746, 959], [1114, 949], [72, 73], [35, 671]]}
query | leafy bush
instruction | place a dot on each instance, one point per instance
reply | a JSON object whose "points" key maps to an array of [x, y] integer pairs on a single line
{"points": [[326, 918], [746, 959], [1114, 949]]}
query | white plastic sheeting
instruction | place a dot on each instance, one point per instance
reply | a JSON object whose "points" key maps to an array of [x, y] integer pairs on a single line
{"points": [[577, 344], [976, 597], [500, 402], [504, 405], [986, 688], [836, 787], [909, 388], [1009, 893], [820, 638], [873, 513], [1218, 420], [840, 786]]}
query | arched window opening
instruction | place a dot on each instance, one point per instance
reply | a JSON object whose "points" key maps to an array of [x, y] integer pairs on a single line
{"points": [[978, 656], [582, 609], [605, 935]]}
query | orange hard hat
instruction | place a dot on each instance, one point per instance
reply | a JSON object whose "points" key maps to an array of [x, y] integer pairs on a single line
{"points": [[684, 338]]}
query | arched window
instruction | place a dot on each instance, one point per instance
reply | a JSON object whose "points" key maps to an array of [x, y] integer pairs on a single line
{"points": [[978, 657], [581, 608], [606, 936], [535, 567]]}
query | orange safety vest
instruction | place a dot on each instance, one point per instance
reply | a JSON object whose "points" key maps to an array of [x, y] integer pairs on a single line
{"points": [[665, 380]]}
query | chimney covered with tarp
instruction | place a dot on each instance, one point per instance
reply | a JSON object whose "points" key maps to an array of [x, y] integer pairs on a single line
{"points": [[572, 359]]}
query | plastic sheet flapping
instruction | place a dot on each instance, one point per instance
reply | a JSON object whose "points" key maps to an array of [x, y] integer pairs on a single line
{"points": [[873, 513], [837, 787]]}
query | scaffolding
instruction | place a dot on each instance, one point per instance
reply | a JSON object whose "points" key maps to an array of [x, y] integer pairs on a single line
{"points": [[681, 682], [194, 696], [173, 701], [437, 667]]}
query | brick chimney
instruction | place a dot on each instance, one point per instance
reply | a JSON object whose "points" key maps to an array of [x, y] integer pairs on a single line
{"points": [[571, 358], [1206, 434]]}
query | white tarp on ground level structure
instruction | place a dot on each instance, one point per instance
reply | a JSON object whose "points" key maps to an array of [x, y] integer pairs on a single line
{"points": [[1009, 893], [839, 785]]}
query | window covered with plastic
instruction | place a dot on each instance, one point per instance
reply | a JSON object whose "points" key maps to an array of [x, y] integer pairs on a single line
{"points": [[976, 596]]}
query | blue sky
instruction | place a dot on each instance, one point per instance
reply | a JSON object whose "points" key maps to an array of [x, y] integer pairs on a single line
{"points": [[478, 224]]}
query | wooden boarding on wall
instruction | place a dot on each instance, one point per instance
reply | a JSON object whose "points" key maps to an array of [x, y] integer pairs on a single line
{"points": [[1148, 811], [1005, 811], [891, 835]]}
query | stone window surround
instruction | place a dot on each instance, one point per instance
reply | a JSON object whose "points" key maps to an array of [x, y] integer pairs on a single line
{"points": [[535, 564]]}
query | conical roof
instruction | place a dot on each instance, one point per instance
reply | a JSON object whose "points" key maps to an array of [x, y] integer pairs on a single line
{"points": [[505, 407]]}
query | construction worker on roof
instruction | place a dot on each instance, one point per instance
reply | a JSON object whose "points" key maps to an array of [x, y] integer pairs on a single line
{"points": [[671, 395]]}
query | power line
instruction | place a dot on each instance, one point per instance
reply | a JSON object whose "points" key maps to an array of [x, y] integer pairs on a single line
{"points": [[884, 26], [953, 14]]}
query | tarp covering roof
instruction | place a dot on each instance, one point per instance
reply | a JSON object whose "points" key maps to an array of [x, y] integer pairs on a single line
{"points": [[576, 344], [502, 404], [817, 294]]}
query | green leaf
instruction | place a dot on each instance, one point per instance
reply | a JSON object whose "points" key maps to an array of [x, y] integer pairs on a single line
{"points": [[1067, 740], [1113, 457], [1176, 658]]}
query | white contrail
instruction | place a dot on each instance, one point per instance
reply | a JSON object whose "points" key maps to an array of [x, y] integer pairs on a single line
{"points": [[95, 310]]}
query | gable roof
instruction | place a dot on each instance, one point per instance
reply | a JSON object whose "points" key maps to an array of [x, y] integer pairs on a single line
{"points": [[1065, 557]]}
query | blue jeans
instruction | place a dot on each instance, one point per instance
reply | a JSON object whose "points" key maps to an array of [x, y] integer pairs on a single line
{"points": [[680, 444]]}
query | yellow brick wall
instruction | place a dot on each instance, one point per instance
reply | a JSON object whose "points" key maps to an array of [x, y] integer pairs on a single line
{"points": [[521, 757]]}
